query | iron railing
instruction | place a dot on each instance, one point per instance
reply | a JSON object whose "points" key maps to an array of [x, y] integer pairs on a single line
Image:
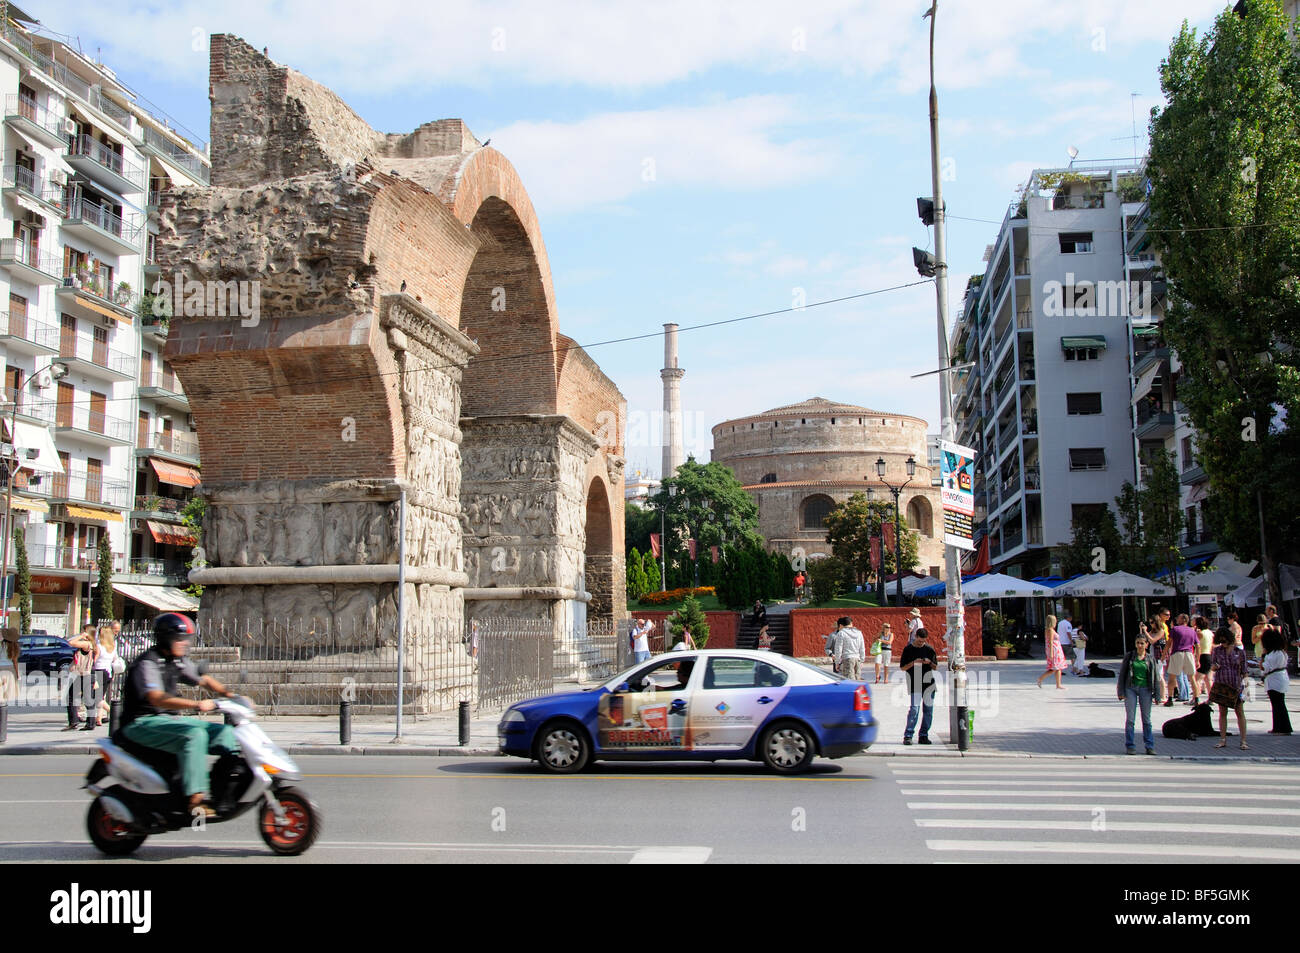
{"points": [[108, 159], [180, 444], [29, 254]]}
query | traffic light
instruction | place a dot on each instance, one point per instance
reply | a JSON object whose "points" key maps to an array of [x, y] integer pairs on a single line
{"points": [[924, 262], [925, 209]]}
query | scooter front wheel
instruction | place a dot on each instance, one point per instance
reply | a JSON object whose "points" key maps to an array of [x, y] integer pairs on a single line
{"points": [[302, 825], [108, 833]]}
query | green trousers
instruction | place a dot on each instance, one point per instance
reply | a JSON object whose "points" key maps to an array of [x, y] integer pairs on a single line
{"points": [[190, 739]]}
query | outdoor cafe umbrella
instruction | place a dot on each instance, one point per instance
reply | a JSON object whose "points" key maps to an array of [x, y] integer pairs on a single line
{"points": [[1216, 582], [1256, 592], [1120, 584]]}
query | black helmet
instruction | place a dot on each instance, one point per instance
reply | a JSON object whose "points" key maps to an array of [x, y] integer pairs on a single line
{"points": [[172, 627]]}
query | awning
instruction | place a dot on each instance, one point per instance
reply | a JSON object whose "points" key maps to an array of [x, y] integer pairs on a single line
{"points": [[1146, 331], [162, 598], [174, 474], [107, 193], [85, 302], [26, 138], [31, 506], [1082, 341], [34, 437], [1143, 383], [173, 535], [33, 206], [1199, 492], [91, 513]]}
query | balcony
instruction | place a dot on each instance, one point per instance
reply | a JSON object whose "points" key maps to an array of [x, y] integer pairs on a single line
{"points": [[81, 487], [1035, 534], [158, 507], [1193, 474], [1011, 485], [36, 122], [1027, 372], [1003, 389], [162, 386], [96, 223], [172, 443], [1146, 261], [1029, 423], [1011, 539], [96, 358], [1025, 319], [1022, 266], [168, 572], [93, 426], [22, 334], [1006, 437], [154, 327], [58, 556], [194, 166], [1148, 357], [98, 162], [21, 183], [24, 261], [1070, 200], [30, 407], [1154, 421], [96, 297]]}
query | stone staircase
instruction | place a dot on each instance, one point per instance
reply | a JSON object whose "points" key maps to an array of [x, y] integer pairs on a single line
{"points": [[778, 626]]}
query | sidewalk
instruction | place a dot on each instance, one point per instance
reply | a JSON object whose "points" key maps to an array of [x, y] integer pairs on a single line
{"points": [[1013, 718]]}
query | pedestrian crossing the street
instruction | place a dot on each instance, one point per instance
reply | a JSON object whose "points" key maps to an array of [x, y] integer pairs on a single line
{"points": [[1058, 811]]}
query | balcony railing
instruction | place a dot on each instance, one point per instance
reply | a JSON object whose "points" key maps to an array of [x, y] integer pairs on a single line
{"points": [[82, 349], [19, 324], [172, 568], [1010, 540], [1029, 423], [163, 380], [1032, 479], [1022, 266], [29, 404], [96, 421], [180, 444], [1078, 201], [25, 180], [1035, 534], [177, 155], [159, 504], [1148, 410], [58, 556], [29, 109], [105, 157], [1027, 372], [85, 487], [1007, 435], [15, 249], [1025, 319], [98, 215]]}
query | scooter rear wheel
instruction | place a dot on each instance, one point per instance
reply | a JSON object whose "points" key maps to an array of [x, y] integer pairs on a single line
{"points": [[108, 833], [303, 825]]}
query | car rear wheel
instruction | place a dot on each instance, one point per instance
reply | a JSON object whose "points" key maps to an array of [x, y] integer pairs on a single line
{"points": [[788, 748], [562, 748]]}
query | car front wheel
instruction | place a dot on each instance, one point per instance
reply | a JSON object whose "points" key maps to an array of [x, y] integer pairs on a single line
{"points": [[562, 748], [788, 748]]}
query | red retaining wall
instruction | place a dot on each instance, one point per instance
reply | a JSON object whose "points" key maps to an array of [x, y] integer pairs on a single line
{"points": [[723, 627], [808, 626]]}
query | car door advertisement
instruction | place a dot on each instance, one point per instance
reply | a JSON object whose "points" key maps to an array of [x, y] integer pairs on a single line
{"points": [[643, 720]]}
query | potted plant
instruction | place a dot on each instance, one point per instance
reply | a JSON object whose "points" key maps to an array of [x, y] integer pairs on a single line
{"points": [[122, 294], [997, 631]]}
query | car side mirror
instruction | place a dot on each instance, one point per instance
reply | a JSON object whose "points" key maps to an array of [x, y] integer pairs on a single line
{"points": [[623, 687]]}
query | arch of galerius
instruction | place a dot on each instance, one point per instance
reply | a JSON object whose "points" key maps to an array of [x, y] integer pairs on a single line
{"points": [[400, 430]]}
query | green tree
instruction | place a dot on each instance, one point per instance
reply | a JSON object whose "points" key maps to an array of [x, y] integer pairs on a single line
{"points": [[1224, 168], [704, 502], [1134, 554], [22, 581], [652, 579], [638, 523], [103, 599], [850, 526], [636, 580], [192, 519], [828, 578], [1162, 520], [1092, 529], [690, 616]]}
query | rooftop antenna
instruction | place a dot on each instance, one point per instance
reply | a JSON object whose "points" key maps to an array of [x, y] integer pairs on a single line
{"points": [[1132, 100]]}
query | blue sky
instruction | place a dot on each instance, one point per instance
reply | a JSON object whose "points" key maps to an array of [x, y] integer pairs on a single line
{"points": [[694, 161]]}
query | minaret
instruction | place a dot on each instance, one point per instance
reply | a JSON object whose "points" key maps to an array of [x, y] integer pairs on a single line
{"points": [[674, 455]]}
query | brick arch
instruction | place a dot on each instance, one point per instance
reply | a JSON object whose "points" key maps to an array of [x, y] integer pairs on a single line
{"points": [[508, 301], [920, 515], [603, 569]]}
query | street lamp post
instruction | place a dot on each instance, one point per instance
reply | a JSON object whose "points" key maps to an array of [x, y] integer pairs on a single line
{"points": [[898, 525], [57, 370], [955, 635], [880, 566]]}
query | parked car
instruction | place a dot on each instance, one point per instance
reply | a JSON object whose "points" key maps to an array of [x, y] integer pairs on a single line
{"points": [[709, 705], [45, 653]]}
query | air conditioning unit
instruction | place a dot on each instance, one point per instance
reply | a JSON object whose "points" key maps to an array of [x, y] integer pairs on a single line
{"points": [[70, 127], [189, 422], [105, 321]]}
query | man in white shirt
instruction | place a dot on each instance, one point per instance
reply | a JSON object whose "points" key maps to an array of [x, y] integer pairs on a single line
{"points": [[641, 640], [1065, 634]]}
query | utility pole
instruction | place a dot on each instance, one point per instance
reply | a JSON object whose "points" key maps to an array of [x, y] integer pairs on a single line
{"points": [[956, 628]]}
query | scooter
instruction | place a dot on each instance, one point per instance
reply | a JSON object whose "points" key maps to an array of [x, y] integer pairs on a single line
{"points": [[137, 790]]}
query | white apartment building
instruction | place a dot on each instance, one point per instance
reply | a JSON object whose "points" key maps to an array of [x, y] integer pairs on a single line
{"points": [[1048, 405], [83, 165]]}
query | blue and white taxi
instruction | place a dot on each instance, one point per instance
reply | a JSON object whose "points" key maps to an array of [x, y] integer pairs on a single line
{"points": [[707, 705]]}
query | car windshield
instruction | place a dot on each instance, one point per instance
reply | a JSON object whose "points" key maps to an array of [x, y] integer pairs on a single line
{"points": [[626, 674]]}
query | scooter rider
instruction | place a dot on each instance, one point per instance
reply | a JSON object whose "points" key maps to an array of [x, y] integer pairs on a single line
{"points": [[151, 705]]}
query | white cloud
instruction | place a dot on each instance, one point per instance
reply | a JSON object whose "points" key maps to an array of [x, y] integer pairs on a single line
{"points": [[734, 144]]}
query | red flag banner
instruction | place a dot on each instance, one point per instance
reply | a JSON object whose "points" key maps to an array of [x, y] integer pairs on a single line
{"points": [[889, 536], [713, 550], [691, 546], [875, 554], [654, 544]]}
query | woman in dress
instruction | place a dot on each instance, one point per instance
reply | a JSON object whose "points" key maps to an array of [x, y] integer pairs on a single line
{"points": [[765, 639], [1228, 662], [1056, 662], [1257, 636]]}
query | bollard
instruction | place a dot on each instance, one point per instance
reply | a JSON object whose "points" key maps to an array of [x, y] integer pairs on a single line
{"points": [[464, 723], [345, 722], [4, 723], [114, 716]]}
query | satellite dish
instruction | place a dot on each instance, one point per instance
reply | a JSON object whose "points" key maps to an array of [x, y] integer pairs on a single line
{"points": [[1072, 152]]}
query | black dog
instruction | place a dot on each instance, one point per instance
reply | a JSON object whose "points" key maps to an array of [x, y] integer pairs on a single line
{"points": [[1096, 671], [1188, 727]]}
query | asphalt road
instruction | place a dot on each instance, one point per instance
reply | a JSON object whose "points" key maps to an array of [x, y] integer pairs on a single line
{"points": [[863, 809]]}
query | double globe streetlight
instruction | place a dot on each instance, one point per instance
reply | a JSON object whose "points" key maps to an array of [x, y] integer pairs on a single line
{"points": [[898, 524]]}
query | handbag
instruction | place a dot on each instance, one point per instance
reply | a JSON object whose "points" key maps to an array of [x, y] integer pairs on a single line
{"points": [[1224, 694], [119, 665]]}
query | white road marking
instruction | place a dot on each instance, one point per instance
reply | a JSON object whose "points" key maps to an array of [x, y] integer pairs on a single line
{"points": [[1097, 782], [1130, 849], [671, 855], [1147, 808], [1015, 824], [1079, 792]]}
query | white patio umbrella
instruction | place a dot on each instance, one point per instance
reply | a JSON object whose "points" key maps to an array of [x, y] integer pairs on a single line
{"points": [[1217, 582], [1121, 584], [996, 585], [913, 583], [1256, 592]]}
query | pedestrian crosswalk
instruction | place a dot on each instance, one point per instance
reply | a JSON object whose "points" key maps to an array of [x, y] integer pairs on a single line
{"points": [[1103, 812]]}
